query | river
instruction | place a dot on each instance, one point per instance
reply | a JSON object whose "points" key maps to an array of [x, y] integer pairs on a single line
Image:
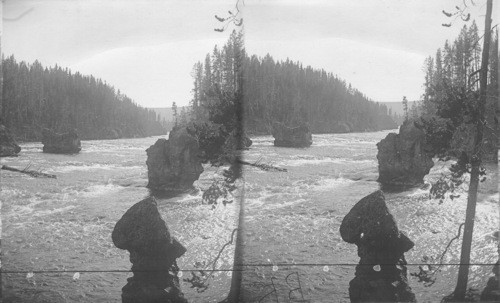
{"points": [[292, 221], [53, 228]]}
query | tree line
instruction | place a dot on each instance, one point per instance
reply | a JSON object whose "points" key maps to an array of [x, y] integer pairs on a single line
{"points": [[283, 91], [36, 97], [448, 108], [287, 92]]}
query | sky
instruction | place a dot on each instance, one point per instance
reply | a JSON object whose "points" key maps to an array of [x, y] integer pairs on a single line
{"points": [[147, 48], [379, 46]]}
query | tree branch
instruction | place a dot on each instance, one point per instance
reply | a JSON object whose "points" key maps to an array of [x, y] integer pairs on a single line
{"points": [[233, 18], [200, 281], [424, 274], [448, 246]]}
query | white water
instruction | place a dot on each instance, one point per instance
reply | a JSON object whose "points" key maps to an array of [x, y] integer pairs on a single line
{"points": [[65, 224], [294, 217], [290, 218]]}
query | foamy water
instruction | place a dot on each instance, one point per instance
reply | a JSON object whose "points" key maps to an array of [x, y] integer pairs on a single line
{"points": [[291, 217], [294, 217], [304, 160], [65, 224], [100, 189]]}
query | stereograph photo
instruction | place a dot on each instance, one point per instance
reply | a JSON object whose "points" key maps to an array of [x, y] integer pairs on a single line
{"points": [[249, 151]]}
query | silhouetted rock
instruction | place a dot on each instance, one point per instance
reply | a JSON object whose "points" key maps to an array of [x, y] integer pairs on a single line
{"points": [[173, 164], [231, 143], [402, 158], [153, 254], [381, 274], [67, 143], [8, 145], [285, 136], [491, 292]]}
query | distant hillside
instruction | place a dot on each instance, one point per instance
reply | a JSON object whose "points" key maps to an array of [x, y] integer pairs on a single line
{"points": [[168, 114], [36, 97], [397, 107]]}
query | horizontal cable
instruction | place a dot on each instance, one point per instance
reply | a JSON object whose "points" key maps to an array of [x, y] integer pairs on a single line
{"points": [[245, 265]]}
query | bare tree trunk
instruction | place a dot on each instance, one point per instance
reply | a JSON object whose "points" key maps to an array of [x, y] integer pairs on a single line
{"points": [[235, 290], [236, 278], [463, 272], [32, 173]]}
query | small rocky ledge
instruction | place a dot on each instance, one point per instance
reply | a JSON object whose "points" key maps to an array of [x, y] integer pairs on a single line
{"points": [[402, 158], [285, 136], [67, 143], [174, 164]]}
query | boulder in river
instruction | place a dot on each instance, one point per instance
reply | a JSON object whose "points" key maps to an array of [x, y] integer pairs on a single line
{"points": [[110, 133], [8, 145], [153, 253], [67, 143], [174, 164], [342, 127], [403, 159], [381, 275], [491, 292], [285, 136]]}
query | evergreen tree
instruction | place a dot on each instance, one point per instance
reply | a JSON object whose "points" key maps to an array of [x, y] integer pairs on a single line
{"points": [[475, 171], [35, 97], [452, 87], [175, 114], [219, 89], [405, 107]]}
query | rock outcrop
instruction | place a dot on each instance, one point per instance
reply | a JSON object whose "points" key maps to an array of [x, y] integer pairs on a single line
{"points": [[491, 292], [8, 145], [403, 159], [285, 136], [381, 274], [67, 143], [153, 254], [232, 144], [174, 164]]}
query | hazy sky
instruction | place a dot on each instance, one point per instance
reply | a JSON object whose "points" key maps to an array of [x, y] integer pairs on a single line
{"points": [[379, 46], [147, 48], [144, 48]]}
